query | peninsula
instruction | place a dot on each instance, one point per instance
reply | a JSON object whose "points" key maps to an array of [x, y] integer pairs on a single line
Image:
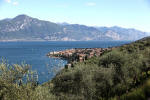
{"points": [[77, 54]]}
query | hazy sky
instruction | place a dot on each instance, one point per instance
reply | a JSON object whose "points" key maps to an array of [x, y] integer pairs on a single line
{"points": [[124, 13]]}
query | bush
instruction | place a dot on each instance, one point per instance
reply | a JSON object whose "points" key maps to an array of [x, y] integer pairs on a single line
{"points": [[17, 83]]}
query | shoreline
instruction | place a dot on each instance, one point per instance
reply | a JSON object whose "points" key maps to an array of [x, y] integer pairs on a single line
{"points": [[40, 40], [77, 54]]}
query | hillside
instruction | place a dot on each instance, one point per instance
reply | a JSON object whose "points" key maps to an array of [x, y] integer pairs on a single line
{"points": [[25, 28], [120, 74]]}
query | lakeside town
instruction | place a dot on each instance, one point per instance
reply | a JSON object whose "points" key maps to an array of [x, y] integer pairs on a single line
{"points": [[77, 54]]}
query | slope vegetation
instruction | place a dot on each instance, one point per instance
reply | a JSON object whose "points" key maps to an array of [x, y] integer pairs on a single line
{"points": [[114, 74], [120, 74]]}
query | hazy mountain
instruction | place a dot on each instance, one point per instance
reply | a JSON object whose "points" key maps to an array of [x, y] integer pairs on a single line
{"points": [[63, 23], [26, 28], [118, 33]]}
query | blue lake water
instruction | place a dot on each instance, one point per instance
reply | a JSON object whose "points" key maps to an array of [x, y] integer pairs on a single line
{"points": [[34, 53]]}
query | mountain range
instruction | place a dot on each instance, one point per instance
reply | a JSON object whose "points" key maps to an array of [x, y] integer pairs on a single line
{"points": [[26, 28]]}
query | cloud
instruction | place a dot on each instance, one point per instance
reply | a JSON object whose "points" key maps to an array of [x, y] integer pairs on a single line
{"points": [[8, 1], [12, 2], [15, 3], [91, 4]]}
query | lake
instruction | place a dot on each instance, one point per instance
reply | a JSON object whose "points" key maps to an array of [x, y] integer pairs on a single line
{"points": [[34, 53]]}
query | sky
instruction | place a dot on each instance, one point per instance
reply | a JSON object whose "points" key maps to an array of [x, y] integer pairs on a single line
{"points": [[123, 13]]}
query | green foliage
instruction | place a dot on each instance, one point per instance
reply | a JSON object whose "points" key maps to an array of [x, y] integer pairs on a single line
{"points": [[17, 83], [113, 74], [139, 93], [76, 81], [116, 58], [120, 74]]}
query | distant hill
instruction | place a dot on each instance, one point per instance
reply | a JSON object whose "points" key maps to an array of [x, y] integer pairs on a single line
{"points": [[25, 28]]}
